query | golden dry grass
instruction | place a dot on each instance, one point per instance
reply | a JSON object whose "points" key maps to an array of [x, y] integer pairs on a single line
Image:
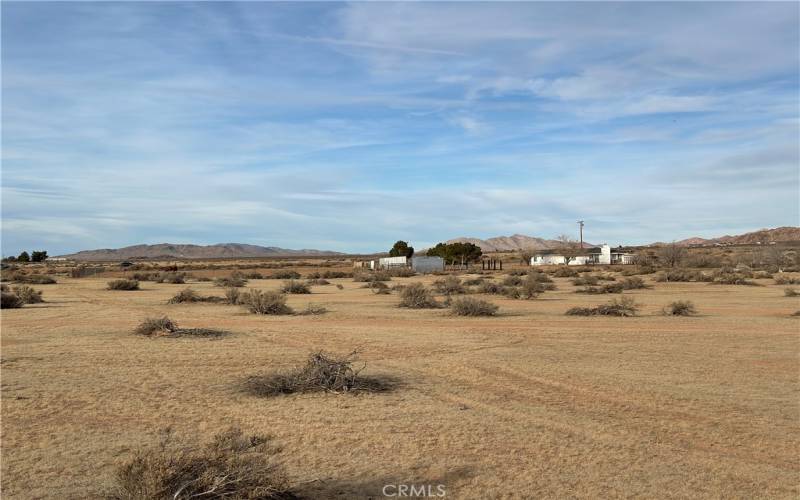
{"points": [[528, 404]]}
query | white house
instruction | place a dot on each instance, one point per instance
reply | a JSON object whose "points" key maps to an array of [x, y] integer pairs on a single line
{"points": [[390, 262], [602, 255]]}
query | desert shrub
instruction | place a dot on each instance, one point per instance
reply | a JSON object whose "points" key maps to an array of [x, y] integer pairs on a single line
{"points": [[313, 310], [732, 279], [260, 302], [156, 326], [28, 295], [605, 277], [84, 271], [230, 281], [253, 275], [512, 292], [607, 288], [585, 281], [339, 286], [123, 284], [678, 275], [512, 280], [233, 295], [538, 277], [233, 465], [184, 296], [318, 281], [680, 308], [34, 279], [492, 288], [450, 285], [372, 276], [330, 275], [172, 278], [473, 282], [378, 287], [782, 279], [10, 301], [791, 292], [321, 373], [145, 276], [3, 287], [417, 296], [293, 286], [633, 283], [401, 272], [285, 275], [530, 288], [702, 260], [762, 275], [565, 272], [624, 306], [471, 306]]}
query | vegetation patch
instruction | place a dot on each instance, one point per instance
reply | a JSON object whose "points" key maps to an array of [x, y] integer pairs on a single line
{"points": [[450, 285], [680, 308], [172, 278], [633, 283], [123, 284], [285, 275], [791, 292], [624, 306], [471, 306], [165, 327], [10, 300], [33, 279], [365, 277], [607, 288], [781, 279], [230, 281], [28, 295], [232, 465], [321, 373], [270, 302], [187, 296], [313, 310], [297, 287], [565, 272], [417, 296]]}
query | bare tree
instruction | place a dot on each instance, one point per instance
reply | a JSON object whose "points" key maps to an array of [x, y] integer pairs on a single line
{"points": [[525, 256], [568, 247], [773, 255], [672, 255]]}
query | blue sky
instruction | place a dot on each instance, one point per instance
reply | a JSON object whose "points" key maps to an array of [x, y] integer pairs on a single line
{"points": [[349, 126]]}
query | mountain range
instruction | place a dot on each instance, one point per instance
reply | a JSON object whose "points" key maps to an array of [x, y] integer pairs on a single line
{"points": [[512, 243], [176, 251], [761, 236]]}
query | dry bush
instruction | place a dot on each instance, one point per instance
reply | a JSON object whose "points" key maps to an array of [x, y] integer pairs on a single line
{"points": [[321, 373], [165, 327], [538, 277], [565, 272], [156, 326], [233, 465], [633, 283], [296, 287], [450, 285], [230, 281], [378, 287], [313, 310], [624, 306], [372, 276], [330, 275], [123, 284], [28, 295], [679, 308], [473, 282], [260, 302], [512, 280], [417, 296], [233, 296], [492, 288], [253, 275], [782, 279], [318, 282], [145, 276], [607, 288], [10, 301], [471, 306], [172, 278], [339, 286], [680, 275], [3, 287], [702, 260], [401, 272], [284, 275], [791, 292], [512, 292], [84, 271], [762, 275], [530, 288], [188, 295], [585, 281], [34, 279], [728, 278]]}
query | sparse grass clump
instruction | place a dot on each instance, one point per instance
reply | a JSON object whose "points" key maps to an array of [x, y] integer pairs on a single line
{"points": [[318, 281], [172, 278], [474, 282], [450, 285], [165, 327], [33, 279], [260, 302], [472, 306], [607, 288], [378, 287], [401, 272], [313, 310], [187, 295], [633, 283], [233, 465], [28, 295], [565, 272], [680, 308], [123, 284], [624, 306], [782, 279], [10, 301], [297, 287], [512, 280], [417, 296], [791, 292], [492, 288], [233, 296], [585, 281], [365, 277], [732, 279], [230, 281], [321, 373], [253, 275], [679, 275]]}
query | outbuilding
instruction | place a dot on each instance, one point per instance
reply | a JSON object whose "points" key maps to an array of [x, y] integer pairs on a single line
{"points": [[426, 264]]}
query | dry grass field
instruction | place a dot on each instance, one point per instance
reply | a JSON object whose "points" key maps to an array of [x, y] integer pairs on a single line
{"points": [[528, 404]]}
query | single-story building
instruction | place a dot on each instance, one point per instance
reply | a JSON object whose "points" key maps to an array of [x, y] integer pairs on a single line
{"points": [[364, 264], [426, 264], [390, 262], [602, 255]]}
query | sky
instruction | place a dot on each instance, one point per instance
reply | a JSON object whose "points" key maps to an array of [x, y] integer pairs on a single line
{"points": [[348, 126]]}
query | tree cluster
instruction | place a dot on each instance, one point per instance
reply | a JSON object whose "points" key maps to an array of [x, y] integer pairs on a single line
{"points": [[35, 256], [401, 249], [456, 252]]}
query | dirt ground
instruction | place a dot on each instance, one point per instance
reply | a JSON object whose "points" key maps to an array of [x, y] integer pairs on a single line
{"points": [[529, 404]]}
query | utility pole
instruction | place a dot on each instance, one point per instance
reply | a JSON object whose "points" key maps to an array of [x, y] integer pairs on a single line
{"points": [[580, 223]]}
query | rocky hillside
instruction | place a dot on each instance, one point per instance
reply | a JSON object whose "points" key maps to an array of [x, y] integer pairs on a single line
{"points": [[173, 251], [762, 236], [511, 243]]}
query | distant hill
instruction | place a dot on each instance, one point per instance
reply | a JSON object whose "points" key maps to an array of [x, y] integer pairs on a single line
{"points": [[174, 251], [761, 236], [512, 243]]}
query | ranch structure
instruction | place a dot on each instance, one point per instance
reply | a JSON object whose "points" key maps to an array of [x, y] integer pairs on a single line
{"points": [[596, 255]]}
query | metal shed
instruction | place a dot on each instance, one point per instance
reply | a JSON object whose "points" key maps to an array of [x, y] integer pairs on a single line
{"points": [[424, 264], [389, 262]]}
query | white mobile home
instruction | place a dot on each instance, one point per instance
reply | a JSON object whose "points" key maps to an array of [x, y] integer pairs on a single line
{"points": [[390, 262], [602, 255]]}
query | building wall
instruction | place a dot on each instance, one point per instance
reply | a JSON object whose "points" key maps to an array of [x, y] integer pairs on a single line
{"points": [[387, 262], [425, 264]]}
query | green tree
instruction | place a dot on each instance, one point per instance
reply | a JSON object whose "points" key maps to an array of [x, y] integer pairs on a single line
{"points": [[24, 257], [401, 249], [456, 252], [39, 256]]}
